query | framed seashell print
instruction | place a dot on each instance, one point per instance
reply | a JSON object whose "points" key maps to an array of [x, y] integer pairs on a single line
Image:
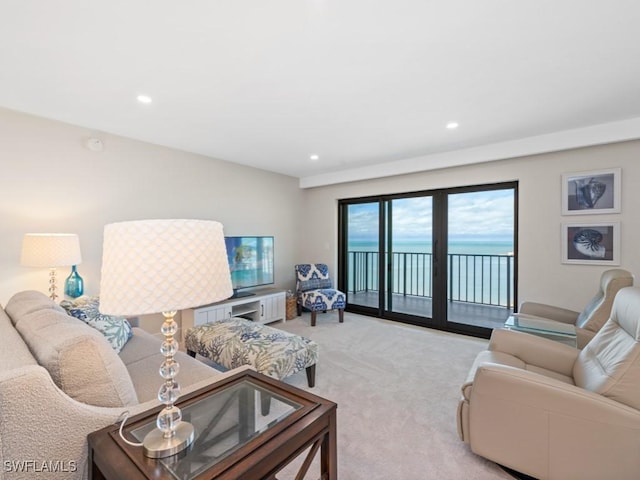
{"points": [[592, 192], [591, 243]]}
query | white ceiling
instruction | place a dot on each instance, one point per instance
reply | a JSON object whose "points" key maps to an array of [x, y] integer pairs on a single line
{"points": [[368, 85]]}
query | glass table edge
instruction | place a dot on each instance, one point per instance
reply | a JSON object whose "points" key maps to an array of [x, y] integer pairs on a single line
{"points": [[308, 401]]}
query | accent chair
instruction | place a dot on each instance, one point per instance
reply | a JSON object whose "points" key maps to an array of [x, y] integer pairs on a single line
{"points": [[315, 292]]}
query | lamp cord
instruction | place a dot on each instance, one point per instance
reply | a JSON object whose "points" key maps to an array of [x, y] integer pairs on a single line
{"points": [[125, 414]]}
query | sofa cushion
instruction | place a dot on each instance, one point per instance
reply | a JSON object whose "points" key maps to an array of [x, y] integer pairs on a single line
{"points": [[116, 330], [23, 303], [78, 358], [142, 357]]}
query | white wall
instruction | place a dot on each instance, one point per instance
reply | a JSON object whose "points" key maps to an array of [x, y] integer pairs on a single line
{"points": [[52, 183], [542, 276]]}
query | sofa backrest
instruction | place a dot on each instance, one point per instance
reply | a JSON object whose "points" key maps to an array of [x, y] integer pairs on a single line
{"points": [[23, 303], [79, 359], [14, 352], [610, 363]]}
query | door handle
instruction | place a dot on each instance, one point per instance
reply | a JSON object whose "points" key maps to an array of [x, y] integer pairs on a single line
{"points": [[435, 258]]}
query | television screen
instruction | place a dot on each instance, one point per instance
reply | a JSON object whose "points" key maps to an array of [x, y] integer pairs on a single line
{"points": [[250, 261]]}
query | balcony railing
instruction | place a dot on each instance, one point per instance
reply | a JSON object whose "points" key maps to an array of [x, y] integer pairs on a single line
{"points": [[474, 278]]}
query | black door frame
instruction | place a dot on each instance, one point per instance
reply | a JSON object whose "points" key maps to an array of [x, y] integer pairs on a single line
{"points": [[438, 320]]}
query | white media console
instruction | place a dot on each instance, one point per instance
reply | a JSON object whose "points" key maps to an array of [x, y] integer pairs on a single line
{"points": [[265, 306]]}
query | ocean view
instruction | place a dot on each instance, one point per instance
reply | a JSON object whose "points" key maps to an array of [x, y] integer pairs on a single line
{"points": [[483, 247], [480, 271], [479, 236]]}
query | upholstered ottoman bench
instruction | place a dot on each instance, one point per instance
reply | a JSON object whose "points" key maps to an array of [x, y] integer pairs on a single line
{"points": [[234, 342]]}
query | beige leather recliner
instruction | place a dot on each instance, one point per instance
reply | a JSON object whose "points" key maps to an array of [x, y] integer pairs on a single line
{"points": [[594, 315], [555, 412]]}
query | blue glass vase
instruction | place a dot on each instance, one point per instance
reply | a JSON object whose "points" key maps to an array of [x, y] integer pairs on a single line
{"points": [[74, 285]]}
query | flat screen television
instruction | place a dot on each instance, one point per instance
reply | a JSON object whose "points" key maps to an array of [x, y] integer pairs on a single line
{"points": [[250, 262]]}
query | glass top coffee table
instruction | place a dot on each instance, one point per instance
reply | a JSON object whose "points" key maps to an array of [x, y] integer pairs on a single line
{"points": [[223, 421], [247, 426], [558, 331]]}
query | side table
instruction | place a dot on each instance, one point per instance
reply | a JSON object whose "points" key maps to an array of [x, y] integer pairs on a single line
{"points": [[234, 438]]}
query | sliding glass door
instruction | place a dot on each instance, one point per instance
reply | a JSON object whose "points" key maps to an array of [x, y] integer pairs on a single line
{"points": [[409, 268], [443, 259], [361, 270], [480, 253]]}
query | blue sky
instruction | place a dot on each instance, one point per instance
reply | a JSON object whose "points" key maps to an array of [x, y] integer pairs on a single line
{"points": [[481, 216]]}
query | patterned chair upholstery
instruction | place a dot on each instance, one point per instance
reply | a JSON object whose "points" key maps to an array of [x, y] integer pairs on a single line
{"points": [[315, 291]]}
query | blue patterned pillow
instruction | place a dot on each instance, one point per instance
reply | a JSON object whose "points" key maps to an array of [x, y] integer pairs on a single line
{"points": [[117, 330], [314, 284]]}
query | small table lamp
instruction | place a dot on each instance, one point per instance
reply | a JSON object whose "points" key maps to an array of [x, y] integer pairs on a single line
{"points": [[50, 250], [161, 266]]}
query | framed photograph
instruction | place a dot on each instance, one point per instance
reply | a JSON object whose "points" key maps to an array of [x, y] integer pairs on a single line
{"points": [[591, 192], [591, 243]]}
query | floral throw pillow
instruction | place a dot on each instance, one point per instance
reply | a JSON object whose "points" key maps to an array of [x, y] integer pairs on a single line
{"points": [[117, 330]]}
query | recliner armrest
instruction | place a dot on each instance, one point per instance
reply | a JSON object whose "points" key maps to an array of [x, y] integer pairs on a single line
{"points": [[584, 336], [515, 385], [549, 429], [549, 311], [535, 350]]}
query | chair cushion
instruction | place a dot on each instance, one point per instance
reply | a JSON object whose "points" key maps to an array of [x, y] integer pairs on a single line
{"points": [[610, 363], [501, 358], [78, 358], [323, 299], [116, 330]]}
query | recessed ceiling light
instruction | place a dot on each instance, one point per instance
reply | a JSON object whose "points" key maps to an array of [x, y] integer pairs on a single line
{"points": [[452, 125], [314, 157], [144, 98]]}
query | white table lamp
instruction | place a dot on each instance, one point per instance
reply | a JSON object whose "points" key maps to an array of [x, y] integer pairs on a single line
{"points": [[161, 266], [50, 250]]}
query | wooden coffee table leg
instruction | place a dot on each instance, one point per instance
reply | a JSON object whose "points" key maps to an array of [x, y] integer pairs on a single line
{"points": [[329, 452]]}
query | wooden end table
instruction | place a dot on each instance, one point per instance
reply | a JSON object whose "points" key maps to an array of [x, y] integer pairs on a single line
{"points": [[248, 426]]}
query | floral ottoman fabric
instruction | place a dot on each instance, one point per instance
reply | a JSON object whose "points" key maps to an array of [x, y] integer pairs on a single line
{"points": [[235, 342]]}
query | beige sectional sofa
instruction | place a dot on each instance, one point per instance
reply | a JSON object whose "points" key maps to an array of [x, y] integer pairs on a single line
{"points": [[60, 379]]}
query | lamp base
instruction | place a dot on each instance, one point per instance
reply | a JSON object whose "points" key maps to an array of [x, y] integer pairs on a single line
{"points": [[155, 445]]}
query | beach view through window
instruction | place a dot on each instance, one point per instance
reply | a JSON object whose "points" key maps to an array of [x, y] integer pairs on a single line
{"points": [[479, 254]]}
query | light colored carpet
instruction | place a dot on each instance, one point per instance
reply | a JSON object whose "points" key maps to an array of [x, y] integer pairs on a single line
{"points": [[397, 388]]}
